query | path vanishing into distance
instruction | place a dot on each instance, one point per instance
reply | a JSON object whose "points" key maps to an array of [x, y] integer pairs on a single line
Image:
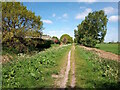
{"points": [[65, 78], [67, 74], [69, 66]]}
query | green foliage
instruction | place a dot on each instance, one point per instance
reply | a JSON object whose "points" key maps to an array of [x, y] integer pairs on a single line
{"points": [[92, 30], [17, 23], [65, 39], [34, 71], [95, 72], [55, 40]]}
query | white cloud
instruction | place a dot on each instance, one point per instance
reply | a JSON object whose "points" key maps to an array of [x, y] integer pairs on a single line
{"points": [[110, 36], [82, 7], [47, 21], [65, 15], [83, 14], [113, 18], [59, 32], [53, 15], [75, 28], [62, 31], [110, 10], [52, 32]]}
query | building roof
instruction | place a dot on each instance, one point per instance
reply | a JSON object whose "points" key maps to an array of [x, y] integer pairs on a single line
{"points": [[45, 37]]}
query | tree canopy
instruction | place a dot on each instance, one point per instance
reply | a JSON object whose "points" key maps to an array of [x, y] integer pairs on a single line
{"points": [[92, 30], [17, 23], [65, 39], [55, 40]]}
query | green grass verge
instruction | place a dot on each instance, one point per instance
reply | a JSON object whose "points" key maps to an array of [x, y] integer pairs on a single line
{"points": [[109, 48], [34, 71], [93, 71], [55, 45]]}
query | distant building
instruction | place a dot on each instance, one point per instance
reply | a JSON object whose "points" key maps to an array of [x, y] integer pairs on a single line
{"points": [[44, 37]]}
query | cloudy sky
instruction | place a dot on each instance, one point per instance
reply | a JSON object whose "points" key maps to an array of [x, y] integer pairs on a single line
{"points": [[63, 17]]}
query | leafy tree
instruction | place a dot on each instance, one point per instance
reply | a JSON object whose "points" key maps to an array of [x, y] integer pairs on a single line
{"points": [[55, 40], [17, 23], [65, 39], [76, 39], [93, 29]]}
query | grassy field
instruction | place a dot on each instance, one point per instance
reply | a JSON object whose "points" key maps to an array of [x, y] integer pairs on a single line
{"points": [[94, 72], [109, 48], [34, 71]]}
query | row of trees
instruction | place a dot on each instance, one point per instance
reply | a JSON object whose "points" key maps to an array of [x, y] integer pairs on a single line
{"points": [[92, 30], [64, 39]]}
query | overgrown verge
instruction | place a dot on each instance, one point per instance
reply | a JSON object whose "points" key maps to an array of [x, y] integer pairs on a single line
{"points": [[34, 71], [95, 72]]}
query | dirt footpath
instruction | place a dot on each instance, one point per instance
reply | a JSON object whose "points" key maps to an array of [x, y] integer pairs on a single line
{"points": [[67, 69], [103, 54], [73, 79], [62, 78]]}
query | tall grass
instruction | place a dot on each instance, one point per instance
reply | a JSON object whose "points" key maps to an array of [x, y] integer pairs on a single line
{"points": [[95, 72]]}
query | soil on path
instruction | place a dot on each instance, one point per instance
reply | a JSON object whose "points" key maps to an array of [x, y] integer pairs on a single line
{"points": [[103, 54], [62, 78], [66, 76], [65, 79], [72, 84]]}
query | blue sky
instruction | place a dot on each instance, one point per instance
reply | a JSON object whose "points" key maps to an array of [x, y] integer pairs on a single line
{"points": [[63, 17]]}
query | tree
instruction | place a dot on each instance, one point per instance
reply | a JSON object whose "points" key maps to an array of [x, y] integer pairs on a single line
{"points": [[93, 29], [76, 39], [17, 23], [55, 40], [65, 39]]}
